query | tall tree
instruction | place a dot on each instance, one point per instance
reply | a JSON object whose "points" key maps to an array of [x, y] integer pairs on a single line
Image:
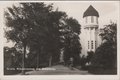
{"points": [[71, 40], [106, 54], [35, 25], [25, 21], [53, 38]]}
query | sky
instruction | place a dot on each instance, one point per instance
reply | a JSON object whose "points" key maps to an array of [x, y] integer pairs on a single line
{"points": [[108, 10]]}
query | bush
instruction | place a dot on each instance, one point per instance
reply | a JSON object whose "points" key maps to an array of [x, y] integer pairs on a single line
{"points": [[103, 61]]}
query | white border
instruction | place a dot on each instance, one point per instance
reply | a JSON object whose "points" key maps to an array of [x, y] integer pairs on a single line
{"points": [[58, 77]]}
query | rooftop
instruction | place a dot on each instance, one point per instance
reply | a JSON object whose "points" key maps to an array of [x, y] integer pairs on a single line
{"points": [[91, 11]]}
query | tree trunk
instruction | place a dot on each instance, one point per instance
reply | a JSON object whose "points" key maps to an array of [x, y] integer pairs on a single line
{"points": [[50, 61], [38, 60], [38, 56], [23, 60]]}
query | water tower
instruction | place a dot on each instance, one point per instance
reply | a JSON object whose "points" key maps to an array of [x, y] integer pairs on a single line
{"points": [[90, 17]]}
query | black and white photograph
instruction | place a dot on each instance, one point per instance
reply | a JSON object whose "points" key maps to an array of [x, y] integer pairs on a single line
{"points": [[53, 38]]}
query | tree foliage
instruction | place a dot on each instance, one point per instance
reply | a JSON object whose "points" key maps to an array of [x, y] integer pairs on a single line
{"points": [[38, 27], [106, 54], [71, 40]]}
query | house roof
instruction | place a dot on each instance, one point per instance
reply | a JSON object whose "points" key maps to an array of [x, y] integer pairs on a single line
{"points": [[91, 11]]}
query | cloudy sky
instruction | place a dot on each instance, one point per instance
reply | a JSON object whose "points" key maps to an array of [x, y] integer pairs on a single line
{"points": [[108, 10]]}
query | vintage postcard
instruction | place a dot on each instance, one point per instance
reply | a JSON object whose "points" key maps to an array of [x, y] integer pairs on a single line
{"points": [[59, 40]]}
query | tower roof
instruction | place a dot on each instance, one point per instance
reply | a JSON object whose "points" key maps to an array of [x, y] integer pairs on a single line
{"points": [[91, 11]]}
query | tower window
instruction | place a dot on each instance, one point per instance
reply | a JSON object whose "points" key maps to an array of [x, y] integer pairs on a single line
{"points": [[88, 44], [92, 44], [92, 19], [95, 44]]}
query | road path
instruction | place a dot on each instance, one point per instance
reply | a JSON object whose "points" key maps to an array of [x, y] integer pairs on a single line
{"points": [[58, 70]]}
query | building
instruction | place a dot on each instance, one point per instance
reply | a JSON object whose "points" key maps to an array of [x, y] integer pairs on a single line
{"points": [[90, 38]]}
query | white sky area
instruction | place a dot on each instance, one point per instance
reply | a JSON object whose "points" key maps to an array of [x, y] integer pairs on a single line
{"points": [[108, 10]]}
